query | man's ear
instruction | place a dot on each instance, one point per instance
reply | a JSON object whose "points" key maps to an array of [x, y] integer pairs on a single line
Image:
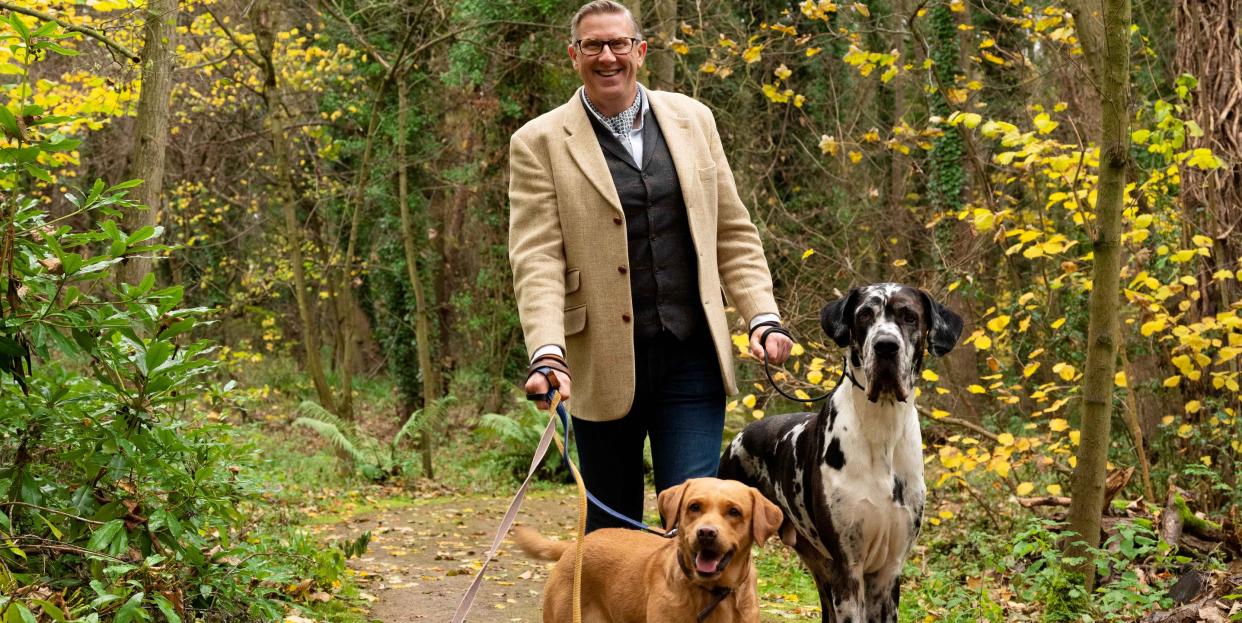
{"points": [[837, 316], [943, 326], [765, 518], [669, 502]]}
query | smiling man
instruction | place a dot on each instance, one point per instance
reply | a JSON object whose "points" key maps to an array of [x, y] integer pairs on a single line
{"points": [[625, 227]]}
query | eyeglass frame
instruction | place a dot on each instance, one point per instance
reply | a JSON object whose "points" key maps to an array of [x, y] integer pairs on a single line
{"points": [[634, 41]]}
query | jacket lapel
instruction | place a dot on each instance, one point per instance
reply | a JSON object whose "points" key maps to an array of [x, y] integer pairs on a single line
{"points": [[585, 150], [679, 139]]}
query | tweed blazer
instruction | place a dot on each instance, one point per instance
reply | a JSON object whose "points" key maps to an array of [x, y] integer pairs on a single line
{"points": [[568, 248]]}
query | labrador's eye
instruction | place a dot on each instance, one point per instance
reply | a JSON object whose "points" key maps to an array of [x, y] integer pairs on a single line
{"points": [[694, 507], [735, 512]]}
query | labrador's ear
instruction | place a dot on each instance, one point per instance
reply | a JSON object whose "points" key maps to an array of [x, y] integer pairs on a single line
{"points": [[765, 518], [944, 327], [837, 316], [669, 502]]}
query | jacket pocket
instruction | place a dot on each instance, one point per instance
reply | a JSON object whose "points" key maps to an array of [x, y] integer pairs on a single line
{"points": [[575, 319], [573, 281]]}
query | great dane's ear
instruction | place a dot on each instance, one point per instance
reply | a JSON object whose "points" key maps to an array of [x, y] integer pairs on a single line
{"points": [[669, 502], [765, 517], [943, 326], [837, 316]]}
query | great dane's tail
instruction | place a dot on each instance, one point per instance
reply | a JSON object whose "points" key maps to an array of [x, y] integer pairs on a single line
{"points": [[538, 546]]}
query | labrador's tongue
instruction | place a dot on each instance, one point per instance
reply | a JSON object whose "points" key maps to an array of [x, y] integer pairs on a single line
{"points": [[706, 562]]}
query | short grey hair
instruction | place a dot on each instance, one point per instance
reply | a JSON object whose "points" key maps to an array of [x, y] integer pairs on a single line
{"points": [[602, 7]]}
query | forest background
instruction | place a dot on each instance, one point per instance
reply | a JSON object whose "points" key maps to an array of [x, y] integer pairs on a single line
{"points": [[315, 303]]}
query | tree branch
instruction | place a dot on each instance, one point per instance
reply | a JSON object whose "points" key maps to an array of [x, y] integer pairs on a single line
{"points": [[85, 30]]}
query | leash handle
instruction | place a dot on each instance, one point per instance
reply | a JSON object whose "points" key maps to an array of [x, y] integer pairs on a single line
{"points": [[763, 343]]}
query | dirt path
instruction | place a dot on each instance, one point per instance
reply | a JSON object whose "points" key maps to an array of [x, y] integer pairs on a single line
{"points": [[423, 557]]}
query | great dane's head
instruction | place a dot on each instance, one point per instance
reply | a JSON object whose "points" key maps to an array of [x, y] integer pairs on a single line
{"points": [[887, 327]]}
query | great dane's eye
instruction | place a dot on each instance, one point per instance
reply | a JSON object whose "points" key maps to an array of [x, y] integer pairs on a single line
{"points": [[864, 314], [909, 317], [735, 512], [694, 507]]}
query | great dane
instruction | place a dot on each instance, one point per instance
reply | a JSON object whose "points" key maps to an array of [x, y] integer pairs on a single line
{"points": [[850, 478]]}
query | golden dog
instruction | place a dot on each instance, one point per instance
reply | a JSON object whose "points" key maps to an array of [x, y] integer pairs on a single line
{"points": [[704, 574]]}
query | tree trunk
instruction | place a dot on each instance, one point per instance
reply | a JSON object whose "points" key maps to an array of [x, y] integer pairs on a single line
{"points": [[422, 332], [1208, 48], [345, 295], [663, 29], [277, 122], [1103, 338], [150, 128]]}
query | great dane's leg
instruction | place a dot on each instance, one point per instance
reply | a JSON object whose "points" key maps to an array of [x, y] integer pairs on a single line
{"points": [[883, 597]]}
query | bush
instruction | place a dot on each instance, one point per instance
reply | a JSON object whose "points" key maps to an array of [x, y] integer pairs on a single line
{"points": [[118, 499]]}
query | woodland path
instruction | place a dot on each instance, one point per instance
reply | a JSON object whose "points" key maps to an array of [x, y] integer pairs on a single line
{"points": [[423, 557]]}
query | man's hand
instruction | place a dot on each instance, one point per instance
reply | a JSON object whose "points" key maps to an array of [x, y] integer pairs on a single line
{"points": [[779, 345], [538, 384]]}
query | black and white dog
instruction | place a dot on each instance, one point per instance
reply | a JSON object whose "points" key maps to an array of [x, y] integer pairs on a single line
{"points": [[850, 478]]}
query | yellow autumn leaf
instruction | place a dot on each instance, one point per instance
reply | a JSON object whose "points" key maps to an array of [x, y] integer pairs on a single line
{"points": [[752, 54], [815, 376], [1173, 381], [976, 389], [939, 414], [1193, 406], [749, 401], [797, 350], [1054, 489], [1004, 439], [997, 324], [1119, 379], [983, 342], [782, 72], [1057, 425], [1030, 369], [928, 375], [1056, 324], [1025, 488]]}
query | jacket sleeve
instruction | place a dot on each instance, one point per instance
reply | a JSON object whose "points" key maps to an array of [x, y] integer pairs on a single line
{"points": [[536, 248], [739, 251]]}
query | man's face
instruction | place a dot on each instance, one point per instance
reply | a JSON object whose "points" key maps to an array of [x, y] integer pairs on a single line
{"points": [[611, 80]]}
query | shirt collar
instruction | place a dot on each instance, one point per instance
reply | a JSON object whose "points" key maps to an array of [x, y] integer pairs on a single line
{"points": [[641, 103]]}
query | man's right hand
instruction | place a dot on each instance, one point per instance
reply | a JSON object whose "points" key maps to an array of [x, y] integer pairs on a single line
{"points": [[537, 383]]}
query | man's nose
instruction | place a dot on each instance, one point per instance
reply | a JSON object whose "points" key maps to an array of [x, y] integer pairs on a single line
{"points": [[606, 54]]}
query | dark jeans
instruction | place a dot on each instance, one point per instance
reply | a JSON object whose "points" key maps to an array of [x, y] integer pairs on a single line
{"points": [[679, 402]]}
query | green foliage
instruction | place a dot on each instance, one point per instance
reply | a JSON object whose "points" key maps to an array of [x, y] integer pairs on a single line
{"points": [[371, 457], [516, 435], [117, 494]]}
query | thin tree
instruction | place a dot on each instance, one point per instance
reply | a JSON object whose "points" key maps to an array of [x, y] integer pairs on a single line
{"points": [[1112, 73], [146, 160]]}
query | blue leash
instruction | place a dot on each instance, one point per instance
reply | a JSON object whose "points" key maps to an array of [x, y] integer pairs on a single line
{"points": [[565, 424]]}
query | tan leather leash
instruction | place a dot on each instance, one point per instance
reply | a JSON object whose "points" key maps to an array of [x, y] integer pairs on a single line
{"points": [[549, 434]]}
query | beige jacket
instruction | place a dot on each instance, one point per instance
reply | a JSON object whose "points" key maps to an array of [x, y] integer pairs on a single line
{"points": [[567, 244]]}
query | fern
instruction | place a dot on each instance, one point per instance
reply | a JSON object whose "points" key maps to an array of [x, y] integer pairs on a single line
{"points": [[411, 424], [333, 434]]}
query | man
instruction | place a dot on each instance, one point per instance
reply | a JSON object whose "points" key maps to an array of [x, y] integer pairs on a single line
{"points": [[625, 227]]}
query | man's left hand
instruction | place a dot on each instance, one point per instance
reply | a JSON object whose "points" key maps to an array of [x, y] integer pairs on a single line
{"points": [[779, 345]]}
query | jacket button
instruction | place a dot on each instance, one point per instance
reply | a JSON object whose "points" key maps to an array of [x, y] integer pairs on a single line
{"points": [[625, 317], [616, 219], [622, 270]]}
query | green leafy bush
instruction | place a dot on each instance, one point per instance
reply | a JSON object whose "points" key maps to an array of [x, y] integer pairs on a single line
{"points": [[119, 500]]}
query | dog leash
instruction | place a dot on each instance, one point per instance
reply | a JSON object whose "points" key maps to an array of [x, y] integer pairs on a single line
{"points": [[772, 327], [556, 410]]}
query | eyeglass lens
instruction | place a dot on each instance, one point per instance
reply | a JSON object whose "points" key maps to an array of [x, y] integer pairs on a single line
{"points": [[618, 46]]}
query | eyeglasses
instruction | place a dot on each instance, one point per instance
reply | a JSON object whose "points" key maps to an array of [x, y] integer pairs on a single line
{"points": [[619, 46]]}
